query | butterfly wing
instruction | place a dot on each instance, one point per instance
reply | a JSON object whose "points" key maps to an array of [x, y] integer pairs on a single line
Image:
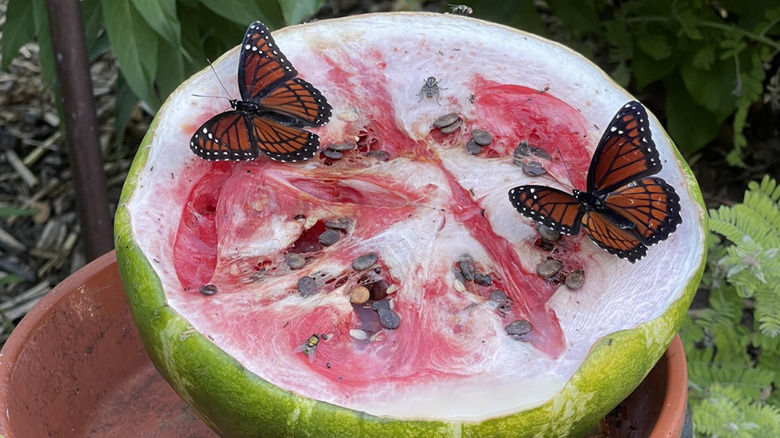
{"points": [[626, 151], [623, 243], [552, 207], [300, 100], [283, 143], [261, 67], [651, 204], [225, 136]]}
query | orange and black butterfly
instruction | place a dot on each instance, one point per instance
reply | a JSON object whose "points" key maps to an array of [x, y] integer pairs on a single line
{"points": [[274, 107], [624, 209]]}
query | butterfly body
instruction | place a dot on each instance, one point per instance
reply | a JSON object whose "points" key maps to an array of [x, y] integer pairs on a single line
{"points": [[624, 209], [274, 107]]}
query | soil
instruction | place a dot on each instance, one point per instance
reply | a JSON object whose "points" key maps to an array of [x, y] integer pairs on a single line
{"points": [[41, 244]]}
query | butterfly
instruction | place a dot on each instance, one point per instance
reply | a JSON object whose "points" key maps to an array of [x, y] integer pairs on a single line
{"points": [[624, 209], [275, 105]]}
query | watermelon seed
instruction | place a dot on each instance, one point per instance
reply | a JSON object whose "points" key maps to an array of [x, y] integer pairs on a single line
{"points": [[344, 146], [341, 224], [459, 286], [329, 237], [547, 233], [446, 120], [466, 265], [387, 316], [575, 279], [360, 335], [483, 279], [391, 289], [548, 268], [533, 169], [378, 289], [364, 262], [327, 364], [502, 302], [458, 275], [333, 154], [294, 260], [481, 138], [472, 148], [208, 289], [517, 329], [307, 286], [379, 155], [359, 295], [452, 128]]}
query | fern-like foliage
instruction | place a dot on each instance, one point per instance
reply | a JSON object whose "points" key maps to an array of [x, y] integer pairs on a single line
{"points": [[732, 346], [729, 413], [752, 264]]}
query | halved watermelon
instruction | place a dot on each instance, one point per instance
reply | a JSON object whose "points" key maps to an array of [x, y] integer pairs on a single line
{"points": [[391, 289]]}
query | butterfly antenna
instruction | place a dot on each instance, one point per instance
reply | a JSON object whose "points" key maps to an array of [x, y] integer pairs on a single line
{"points": [[560, 154], [218, 80]]}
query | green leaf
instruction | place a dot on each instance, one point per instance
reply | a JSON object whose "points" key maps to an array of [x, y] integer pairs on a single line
{"points": [[689, 124], [11, 279], [92, 16], [688, 20], [244, 12], [712, 89], [521, 15], [19, 28], [15, 211], [173, 74], [647, 70], [135, 46], [704, 57], [45, 54], [296, 11], [124, 104], [578, 16], [160, 15], [655, 45]]}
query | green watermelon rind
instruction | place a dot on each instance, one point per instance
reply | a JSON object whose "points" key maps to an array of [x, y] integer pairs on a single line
{"points": [[238, 403]]}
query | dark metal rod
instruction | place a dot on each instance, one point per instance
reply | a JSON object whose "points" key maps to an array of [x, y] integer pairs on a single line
{"points": [[81, 127]]}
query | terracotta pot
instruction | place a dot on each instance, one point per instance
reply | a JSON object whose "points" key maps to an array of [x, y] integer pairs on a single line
{"points": [[75, 367]]}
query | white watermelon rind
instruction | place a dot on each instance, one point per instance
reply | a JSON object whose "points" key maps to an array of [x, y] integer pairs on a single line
{"points": [[238, 403]]}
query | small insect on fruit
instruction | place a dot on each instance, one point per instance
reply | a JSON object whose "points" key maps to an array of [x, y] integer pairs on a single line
{"points": [[430, 89], [624, 209], [309, 348], [461, 9]]}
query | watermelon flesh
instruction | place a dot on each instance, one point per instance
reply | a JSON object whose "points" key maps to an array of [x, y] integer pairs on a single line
{"points": [[414, 197]]}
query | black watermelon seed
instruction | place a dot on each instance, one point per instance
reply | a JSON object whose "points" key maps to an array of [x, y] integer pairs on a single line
{"points": [[341, 223], [484, 280], [446, 120], [480, 137], [333, 154], [329, 237], [208, 289], [294, 260], [540, 153], [307, 286], [498, 296], [548, 268], [378, 289], [364, 262], [449, 129], [342, 146], [473, 148], [533, 169], [518, 328], [466, 265], [575, 280], [387, 316]]}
